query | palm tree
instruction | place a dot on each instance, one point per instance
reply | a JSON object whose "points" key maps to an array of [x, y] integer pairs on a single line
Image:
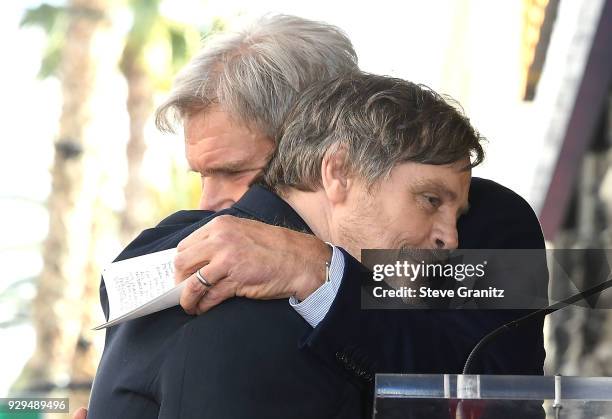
{"points": [[68, 287], [148, 31], [66, 251]]}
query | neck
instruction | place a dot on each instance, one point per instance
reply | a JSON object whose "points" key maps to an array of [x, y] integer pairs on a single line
{"points": [[314, 209]]}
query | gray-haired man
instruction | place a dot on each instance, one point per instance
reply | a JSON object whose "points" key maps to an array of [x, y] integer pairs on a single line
{"points": [[234, 94]]}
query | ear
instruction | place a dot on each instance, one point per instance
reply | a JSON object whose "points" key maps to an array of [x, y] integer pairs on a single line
{"points": [[335, 175]]}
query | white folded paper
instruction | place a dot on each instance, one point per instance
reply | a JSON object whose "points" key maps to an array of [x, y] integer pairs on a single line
{"points": [[140, 286]]}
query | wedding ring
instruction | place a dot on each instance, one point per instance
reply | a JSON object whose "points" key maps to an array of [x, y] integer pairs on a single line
{"points": [[202, 280]]}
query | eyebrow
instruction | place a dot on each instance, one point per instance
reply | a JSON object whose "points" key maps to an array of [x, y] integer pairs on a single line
{"points": [[441, 188], [230, 167]]}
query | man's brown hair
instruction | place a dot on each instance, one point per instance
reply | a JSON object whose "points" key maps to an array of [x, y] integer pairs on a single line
{"points": [[380, 121]]}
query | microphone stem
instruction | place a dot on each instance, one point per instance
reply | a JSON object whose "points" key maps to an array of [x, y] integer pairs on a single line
{"points": [[542, 311]]}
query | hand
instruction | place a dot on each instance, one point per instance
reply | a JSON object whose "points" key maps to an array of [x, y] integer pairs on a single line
{"points": [[247, 258], [81, 413]]}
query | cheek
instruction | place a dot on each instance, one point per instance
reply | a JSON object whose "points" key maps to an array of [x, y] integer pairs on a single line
{"points": [[238, 189], [249, 178], [414, 229], [191, 154], [417, 234], [240, 185]]}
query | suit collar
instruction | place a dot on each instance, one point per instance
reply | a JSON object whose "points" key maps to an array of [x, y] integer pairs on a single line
{"points": [[264, 205]]}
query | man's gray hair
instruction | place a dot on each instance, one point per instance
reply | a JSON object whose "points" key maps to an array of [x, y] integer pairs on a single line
{"points": [[379, 121], [257, 74]]}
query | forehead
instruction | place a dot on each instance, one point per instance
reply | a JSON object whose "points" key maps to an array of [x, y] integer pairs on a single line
{"points": [[214, 138]]}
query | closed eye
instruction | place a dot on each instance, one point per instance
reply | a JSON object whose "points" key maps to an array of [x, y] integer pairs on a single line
{"points": [[227, 172]]}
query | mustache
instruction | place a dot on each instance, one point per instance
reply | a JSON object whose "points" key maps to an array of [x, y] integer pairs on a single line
{"points": [[424, 255]]}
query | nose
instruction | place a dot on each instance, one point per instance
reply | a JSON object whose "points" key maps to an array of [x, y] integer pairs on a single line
{"points": [[215, 195], [445, 236]]}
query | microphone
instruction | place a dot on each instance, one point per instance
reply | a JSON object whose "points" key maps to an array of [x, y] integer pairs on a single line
{"points": [[540, 312]]}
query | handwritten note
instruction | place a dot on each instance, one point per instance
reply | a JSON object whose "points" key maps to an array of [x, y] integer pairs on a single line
{"points": [[140, 286]]}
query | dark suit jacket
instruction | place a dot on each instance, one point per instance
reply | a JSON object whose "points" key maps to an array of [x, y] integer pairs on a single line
{"points": [[240, 360], [252, 359]]}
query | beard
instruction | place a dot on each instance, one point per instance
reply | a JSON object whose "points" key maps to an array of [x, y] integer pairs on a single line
{"points": [[428, 256], [353, 238], [361, 229]]}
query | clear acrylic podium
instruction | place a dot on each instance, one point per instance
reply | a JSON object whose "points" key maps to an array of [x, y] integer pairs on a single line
{"points": [[452, 396]]}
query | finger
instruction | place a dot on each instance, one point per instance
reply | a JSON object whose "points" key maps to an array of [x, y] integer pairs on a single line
{"points": [[191, 294], [194, 290], [220, 223], [216, 295], [81, 413], [200, 234], [189, 259]]}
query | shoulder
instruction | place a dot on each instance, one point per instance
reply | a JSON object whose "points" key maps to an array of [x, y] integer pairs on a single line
{"points": [[185, 217], [170, 231], [486, 194], [498, 218]]}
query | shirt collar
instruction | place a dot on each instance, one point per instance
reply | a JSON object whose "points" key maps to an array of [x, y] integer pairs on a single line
{"points": [[264, 205]]}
